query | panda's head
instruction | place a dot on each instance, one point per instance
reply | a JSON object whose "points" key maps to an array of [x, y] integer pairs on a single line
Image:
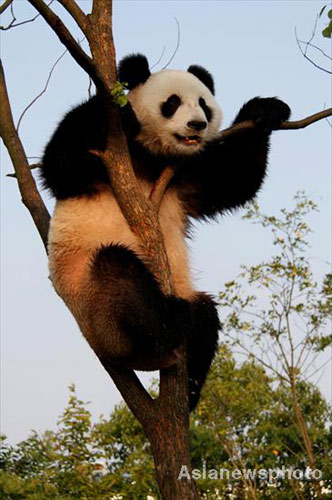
{"points": [[176, 110]]}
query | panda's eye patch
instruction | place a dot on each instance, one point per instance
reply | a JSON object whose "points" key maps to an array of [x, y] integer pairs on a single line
{"points": [[205, 108], [169, 107]]}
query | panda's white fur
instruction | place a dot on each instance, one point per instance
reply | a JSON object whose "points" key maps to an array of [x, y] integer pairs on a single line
{"points": [[157, 132], [79, 226]]}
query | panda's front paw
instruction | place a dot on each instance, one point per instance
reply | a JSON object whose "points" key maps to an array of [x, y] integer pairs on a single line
{"points": [[267, 112]]}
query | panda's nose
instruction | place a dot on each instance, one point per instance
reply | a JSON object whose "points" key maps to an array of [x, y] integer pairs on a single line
{"points": [[196, 125]]}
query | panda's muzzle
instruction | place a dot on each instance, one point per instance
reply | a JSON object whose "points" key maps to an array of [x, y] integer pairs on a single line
{"points": [[189, 139], [197, 125]]}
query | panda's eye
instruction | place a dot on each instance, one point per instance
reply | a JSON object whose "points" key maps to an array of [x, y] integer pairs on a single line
{"points": [[205, 108], [169, 107]]}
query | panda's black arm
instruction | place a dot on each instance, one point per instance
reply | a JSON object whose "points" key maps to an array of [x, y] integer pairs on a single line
{"points": [[228, 174], [68, 168]]}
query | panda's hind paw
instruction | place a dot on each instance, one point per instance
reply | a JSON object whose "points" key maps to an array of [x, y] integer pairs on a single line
{"points": [[180, 315]]}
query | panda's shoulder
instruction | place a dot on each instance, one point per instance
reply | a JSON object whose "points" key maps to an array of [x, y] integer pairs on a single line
{"points": [[88, 111]]}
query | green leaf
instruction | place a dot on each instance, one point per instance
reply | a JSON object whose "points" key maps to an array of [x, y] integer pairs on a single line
{"points": [[122, 100], [327, 32], [118, 93], [330, 14]]}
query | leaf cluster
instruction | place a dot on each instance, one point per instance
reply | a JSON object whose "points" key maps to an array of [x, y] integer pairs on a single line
{"points": [[118, 93], [327, 32]]}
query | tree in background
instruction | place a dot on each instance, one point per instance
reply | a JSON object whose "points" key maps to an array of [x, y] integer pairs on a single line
{"points": [[246, 420], [279, 314]]}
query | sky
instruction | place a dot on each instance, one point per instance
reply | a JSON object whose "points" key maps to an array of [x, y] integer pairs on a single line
{"points": [[250, 49]]}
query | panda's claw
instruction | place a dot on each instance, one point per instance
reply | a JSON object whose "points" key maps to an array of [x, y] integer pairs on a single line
{"points": [[267, 112]]}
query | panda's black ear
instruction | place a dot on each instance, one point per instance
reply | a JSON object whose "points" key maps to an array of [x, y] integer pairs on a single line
{"points": [[203, 75], [133, 69]]}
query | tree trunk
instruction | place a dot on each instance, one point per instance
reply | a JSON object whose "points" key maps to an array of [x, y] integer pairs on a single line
{"points": [[304, 432], [168, 433]]}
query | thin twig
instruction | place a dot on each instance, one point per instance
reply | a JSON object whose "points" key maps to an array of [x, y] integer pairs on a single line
{"points": [[90, 88], [304, 53], [40, 93], [177, 46], [318, 369], [160, 58], [32, 167], [4, 6], [68, 41], [309, 44], [12, 23]]}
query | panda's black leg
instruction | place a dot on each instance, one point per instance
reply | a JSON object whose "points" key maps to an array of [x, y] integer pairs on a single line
{"points": [[201, 345], [154, 323]]}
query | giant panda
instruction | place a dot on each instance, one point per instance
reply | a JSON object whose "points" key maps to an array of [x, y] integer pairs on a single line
{"points": [[96, 262]]}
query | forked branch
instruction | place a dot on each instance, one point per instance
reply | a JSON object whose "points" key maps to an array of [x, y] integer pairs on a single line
{"points": [[76, 12]]}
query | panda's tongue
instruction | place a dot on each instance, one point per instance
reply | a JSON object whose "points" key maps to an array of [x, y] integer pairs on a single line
{"points": [[192, 139], [189, 139]]}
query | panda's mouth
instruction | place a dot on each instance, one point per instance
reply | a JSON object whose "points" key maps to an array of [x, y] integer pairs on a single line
{"points": [[189, 139]]}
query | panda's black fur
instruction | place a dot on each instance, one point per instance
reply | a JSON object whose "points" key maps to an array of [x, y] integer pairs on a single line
{"points": [[95, 262]]}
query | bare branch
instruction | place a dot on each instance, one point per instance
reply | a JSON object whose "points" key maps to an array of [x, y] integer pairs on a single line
{"points": [[177, 45], [305, 55], [4, 6], [160, 58], [32, 167], [90, 88], [12, 24], [294, 125], [76, 12], [132, 390], [68, 41], [27, 185], [42, 92], [306, 121], [160, 187], [318, 369], [309, 44]]}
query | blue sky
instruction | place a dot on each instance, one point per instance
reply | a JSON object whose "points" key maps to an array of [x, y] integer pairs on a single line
{"points": [[250, 49]]}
